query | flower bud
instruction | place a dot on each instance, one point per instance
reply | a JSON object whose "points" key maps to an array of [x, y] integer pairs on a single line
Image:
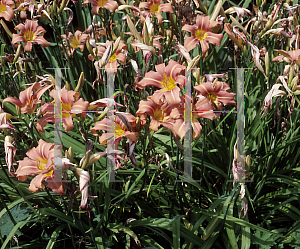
{"points": [[80, 83], [17, 53], [294, 83], [18, 111], [291, 76], [70, 154], [247, 163], [67, 85], [267, 63], [6, 28]]}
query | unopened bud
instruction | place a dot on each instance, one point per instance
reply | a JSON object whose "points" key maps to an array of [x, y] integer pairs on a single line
{"points": [[6, 28], [67, 85], [17, 53], [267, 63], [247, 163], [138, 124], [294, 83], [62, 6], [90, 48], [95, 158], [80, 83], [18, 111], [84, 161], [291, 76], [70, 154]]}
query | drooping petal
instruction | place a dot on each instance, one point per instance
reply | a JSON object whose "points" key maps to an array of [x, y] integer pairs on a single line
{"points": [[47, 118], [55, 183], [36, 183], [84, 179], [68, 123], [12, 100]]}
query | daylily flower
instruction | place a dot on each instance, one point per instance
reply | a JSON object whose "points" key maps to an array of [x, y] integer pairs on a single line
{"points": [[30, 34], [27, 99], [10, 152], [179, 125], [201, 34], [97, 4], [84, 179], [155, 7], [71, 105], [115, 59], [160, 114], [40, 162], [121, 128], [165, 78], [212, 97], [76, 41], [290, 56], [6, 10]]}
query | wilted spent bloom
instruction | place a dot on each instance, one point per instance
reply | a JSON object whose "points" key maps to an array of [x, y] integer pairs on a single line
{"points": [[201, 34], [10, 152], [27, 99], [84, 179], [4, 117], [6, 10], [23, 6], [30, 34], [274, 92], [40, 162]]}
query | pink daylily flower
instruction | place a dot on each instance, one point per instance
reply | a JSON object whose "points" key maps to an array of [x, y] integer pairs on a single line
{"points": [[98, 4], [121, 129], [30, 34], [71, 105], [155, 8], [201, 34], [6, 10], [292, 56], [166, 78], [76, 41], [27, 99], [115, 59], [179, 125], [212, 97], [40, 162], [160, 114]]}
